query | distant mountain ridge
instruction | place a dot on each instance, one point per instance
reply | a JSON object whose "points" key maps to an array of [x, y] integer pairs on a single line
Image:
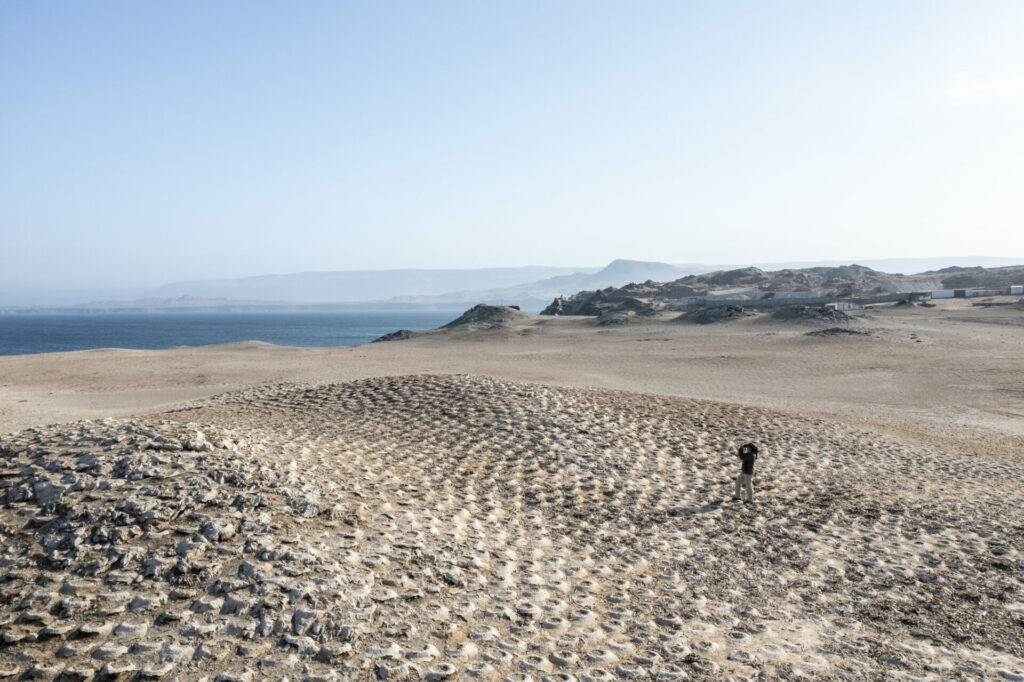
{"points": [[357, 286], [529, 287]]}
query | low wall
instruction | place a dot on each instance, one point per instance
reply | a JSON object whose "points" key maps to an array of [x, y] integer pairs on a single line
{"points": [[783, 302]]}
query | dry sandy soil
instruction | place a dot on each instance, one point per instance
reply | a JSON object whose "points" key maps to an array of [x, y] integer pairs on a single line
{"points": [[549, 500]]}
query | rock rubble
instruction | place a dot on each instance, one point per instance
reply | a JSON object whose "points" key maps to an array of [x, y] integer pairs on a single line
{"points": [[466, 527]]}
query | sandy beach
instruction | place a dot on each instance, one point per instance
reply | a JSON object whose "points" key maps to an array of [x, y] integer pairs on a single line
{"points": [[548, 500]]}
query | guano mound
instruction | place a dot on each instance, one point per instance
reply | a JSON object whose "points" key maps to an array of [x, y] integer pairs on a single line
{"points": [[435, 528]]}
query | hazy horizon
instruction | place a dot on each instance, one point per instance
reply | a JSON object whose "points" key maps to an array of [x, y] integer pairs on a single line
{"points": [[147, 144], [368, 286]]}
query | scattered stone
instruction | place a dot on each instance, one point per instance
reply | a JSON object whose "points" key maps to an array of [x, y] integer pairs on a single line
{"points": [[156, 671], [77, 673], [96, 629], [116, 672]]}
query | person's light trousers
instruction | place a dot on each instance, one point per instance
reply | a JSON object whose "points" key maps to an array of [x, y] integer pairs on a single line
{"points": [[745, 481]]}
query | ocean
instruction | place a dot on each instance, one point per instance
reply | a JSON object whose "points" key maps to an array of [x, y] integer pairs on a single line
{"points": [[36, 333]]}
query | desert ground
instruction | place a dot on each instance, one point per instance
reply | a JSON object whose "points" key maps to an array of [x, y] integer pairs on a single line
{"points": [[551, 499]]}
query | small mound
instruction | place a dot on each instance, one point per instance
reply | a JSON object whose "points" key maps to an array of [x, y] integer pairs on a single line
{"points": [[806, 313], [991, 303], [614, 318], [483, 316], [837, 331], [396, 336], [716, 314]]}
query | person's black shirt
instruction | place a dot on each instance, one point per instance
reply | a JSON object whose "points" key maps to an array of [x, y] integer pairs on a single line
{"points": [[748, 462], [748, 453]]}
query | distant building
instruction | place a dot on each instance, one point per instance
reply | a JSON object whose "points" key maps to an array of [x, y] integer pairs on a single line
{"points": [[844, 305], [974, 293]]}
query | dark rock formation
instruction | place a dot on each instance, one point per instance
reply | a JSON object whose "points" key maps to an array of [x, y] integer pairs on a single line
{"points": [[556, 307], [598, 303], [483, 316], [480, 316], [845, 281], [714, 314], [614, 318], [837, 331], [646, 298], [396, 336], [806, 313], [981, 278]]}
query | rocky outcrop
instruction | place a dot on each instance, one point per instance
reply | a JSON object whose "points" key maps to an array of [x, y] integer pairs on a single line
{"points": [[616, 318], [960, 278], [598, 303], [485, 316], [806, 313], [396, 336], [714, 314], [481, 316], [845, 281]]}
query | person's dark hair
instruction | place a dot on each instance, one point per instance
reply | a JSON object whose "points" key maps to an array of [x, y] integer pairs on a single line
{"points": [[749, 448]]}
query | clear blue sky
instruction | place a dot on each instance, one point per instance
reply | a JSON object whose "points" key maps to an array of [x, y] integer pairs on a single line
{"points": [[146, 142]]}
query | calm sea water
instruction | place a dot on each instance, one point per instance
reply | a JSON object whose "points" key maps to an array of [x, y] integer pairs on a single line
{"points": [[21, 334]]}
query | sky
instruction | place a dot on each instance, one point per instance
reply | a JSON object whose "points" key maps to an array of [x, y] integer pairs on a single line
{"points": [[146, 143]]}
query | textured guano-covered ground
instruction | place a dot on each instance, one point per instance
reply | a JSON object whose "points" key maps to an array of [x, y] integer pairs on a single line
{"points": [[430, 527]]}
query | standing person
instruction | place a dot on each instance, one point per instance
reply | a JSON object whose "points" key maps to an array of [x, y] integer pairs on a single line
{"points": [[747, 455]]}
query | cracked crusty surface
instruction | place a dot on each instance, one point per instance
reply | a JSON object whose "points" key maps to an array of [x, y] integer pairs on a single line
{"points": [[435, 527]]}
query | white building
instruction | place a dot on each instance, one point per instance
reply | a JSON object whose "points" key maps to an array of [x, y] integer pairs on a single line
{"points": [[844, 305]]}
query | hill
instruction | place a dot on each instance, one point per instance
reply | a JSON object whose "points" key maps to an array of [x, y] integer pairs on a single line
{"points": [[958, 277], [844, 281]]}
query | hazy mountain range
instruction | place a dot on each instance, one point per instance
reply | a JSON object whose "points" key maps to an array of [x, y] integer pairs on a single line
{"points": [[532, 288]]}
